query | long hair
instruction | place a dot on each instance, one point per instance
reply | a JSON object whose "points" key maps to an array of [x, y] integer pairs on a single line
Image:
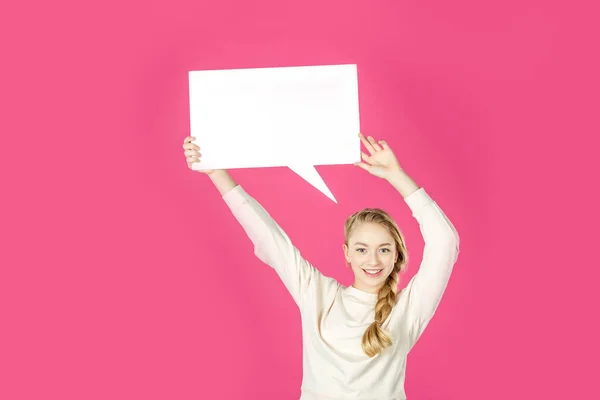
{"points": [[375, 338]]}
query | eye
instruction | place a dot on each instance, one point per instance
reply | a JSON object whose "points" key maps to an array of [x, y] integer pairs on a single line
{"points": [[385, 249], [360, 250]]}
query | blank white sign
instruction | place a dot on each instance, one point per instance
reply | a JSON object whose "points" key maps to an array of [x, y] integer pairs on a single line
{"points": [[269, 117]]}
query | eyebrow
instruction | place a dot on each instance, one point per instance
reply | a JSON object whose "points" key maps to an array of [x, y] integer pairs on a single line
{"points": [[366, 245]]}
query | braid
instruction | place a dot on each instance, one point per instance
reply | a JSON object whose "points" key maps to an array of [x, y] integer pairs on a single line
{"points": [[375, 339]]}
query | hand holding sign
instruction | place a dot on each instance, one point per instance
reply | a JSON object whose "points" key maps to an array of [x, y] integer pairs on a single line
{"points": [[267, 117], [382, 162], [193, 155]]}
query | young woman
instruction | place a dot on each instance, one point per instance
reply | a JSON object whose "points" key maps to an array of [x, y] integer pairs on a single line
{"points": [[355, 339]]}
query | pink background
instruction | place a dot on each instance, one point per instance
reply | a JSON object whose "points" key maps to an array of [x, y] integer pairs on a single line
{"points": [[124, 276]]}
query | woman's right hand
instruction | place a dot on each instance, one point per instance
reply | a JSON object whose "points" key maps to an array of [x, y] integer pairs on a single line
{"points": [[192, 154]]}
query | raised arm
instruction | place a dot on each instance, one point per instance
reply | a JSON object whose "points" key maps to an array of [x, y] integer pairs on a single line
{"points": [[421, 297], [271, 244], [418, 301]]}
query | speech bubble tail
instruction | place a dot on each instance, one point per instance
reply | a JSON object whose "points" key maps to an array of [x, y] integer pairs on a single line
{"points": [[310, 174]]}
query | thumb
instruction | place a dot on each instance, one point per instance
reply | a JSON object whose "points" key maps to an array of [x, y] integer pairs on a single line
{"points": [[363, 165]]}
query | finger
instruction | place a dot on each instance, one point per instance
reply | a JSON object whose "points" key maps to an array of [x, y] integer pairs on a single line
{"points": [[384, 144], [365, 157], [366, 143], [190, 160], [374, 144], [362, 165], [188, 145], [189, 139], [193, 153], [191, 146]]}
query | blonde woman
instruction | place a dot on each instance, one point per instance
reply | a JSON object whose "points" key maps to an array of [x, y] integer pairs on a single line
{"points": [[355, 339]]}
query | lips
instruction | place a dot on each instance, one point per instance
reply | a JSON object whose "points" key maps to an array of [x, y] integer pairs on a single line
{"points": [[373, 273]]}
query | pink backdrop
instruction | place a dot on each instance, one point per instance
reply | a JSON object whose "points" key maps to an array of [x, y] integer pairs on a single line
{"points": [[124, 276]]}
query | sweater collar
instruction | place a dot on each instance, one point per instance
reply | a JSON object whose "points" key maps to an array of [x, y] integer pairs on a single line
{"points": [[362, 295]]}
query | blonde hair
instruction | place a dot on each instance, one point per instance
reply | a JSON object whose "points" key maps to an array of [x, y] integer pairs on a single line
{"points": [[376, 339]]}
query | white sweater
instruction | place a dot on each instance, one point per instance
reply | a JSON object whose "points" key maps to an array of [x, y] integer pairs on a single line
{"points": [[334, 317]]}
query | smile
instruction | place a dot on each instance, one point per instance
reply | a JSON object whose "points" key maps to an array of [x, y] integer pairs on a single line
{"points": [[373, 272]]}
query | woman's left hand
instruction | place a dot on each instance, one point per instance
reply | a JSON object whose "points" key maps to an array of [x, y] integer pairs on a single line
{"points": [[382, 162]]}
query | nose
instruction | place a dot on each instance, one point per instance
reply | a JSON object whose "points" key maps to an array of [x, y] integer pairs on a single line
{"points": [[373, 259]]}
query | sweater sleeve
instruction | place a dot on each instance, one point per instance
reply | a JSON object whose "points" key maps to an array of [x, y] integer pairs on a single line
{"points": [[423, 293], [271, 244]]}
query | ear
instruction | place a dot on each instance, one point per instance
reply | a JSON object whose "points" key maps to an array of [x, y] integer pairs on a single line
{"points": [[346, 256]]}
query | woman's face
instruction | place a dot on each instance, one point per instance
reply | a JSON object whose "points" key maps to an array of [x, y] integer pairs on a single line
{"points": [[371, 253]]}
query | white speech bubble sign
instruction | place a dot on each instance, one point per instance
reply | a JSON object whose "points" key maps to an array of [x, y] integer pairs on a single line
{"points": [[297, 117]]}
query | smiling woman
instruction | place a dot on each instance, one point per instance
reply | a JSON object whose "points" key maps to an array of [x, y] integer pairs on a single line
{"points": [[356, 339]]}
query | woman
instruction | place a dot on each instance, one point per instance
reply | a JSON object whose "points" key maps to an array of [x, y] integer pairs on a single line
{"points": [[355, 339]]}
